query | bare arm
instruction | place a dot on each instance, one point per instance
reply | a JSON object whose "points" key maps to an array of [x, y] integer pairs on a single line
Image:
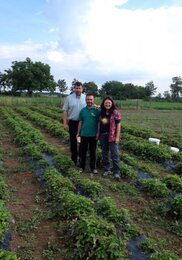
{"points": [[98, 131], [118, 130], [79, 127], [65, 119]]}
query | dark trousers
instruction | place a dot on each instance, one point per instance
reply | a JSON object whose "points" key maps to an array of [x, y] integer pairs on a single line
{"points": [[74, 147], [92, 144]]}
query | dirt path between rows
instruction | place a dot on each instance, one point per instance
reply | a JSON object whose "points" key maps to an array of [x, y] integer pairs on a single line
{"points": [[24, 187], [133, 206]]}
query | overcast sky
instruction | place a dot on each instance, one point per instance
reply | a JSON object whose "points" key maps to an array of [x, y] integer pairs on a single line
{"points": [[133, 41]]}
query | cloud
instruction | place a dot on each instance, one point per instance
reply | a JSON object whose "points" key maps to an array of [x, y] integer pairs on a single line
{"points": [[125, 40], [102, 40]]}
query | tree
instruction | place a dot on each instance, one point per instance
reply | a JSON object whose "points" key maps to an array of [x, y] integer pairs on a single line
{"points": [[166, 95], [61, 84], [73, 84], [30, 77], [150, 89], [112, 88], [90, 87], [176, 88]]}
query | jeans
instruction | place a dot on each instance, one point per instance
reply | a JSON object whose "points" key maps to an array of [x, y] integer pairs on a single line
{"points": [[111, 147]]}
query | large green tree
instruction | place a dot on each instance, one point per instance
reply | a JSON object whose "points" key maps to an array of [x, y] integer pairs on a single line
{"points": [[112, 88], [90, 87], [30, 76], [176, 88], [61, 84], [150, 89]]}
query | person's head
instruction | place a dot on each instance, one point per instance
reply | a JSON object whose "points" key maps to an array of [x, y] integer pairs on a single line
{"points": [[108, 105], [78, 88], [89, 100]]}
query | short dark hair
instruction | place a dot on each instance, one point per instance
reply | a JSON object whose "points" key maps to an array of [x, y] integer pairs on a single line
{"points": [[78, 84], [89, 94]]}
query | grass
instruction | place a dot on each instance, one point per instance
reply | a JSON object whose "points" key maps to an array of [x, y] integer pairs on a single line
{"points": [[58, 101], [138, 104], [44, 100], [161, 121], [125, 194]]}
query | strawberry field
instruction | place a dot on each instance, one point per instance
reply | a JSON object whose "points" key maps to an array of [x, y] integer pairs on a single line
{"points": [[48, 210]]}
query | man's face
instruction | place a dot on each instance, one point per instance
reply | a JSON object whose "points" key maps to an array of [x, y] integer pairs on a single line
{"points": [[90, 101], [78, 90]]}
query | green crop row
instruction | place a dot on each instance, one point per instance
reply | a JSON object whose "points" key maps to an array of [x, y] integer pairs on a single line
{"points": [[70, 203], [170, 140], [4, 216], [52, 126]]}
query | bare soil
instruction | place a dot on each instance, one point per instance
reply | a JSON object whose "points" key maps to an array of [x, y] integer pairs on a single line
{"points": [[24, 187]]}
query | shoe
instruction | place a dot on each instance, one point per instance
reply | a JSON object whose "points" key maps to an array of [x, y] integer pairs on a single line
{"points": [[95, 171], [106, 173], [117, 176]]}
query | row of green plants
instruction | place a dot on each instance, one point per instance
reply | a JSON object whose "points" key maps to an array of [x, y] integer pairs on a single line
{"points": [[137, 145], [160, 190], [90, 186], [170, 140], [50, 112], [149, 151], [4, 214], [155, 187], [52, 126], [172, 181], [77, 181], [75, 208]]}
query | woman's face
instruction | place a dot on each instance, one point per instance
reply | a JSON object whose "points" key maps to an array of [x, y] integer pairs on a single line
{"points": [[107, 104]]}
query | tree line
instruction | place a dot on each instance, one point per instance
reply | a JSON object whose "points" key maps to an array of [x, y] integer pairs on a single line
{"points": [[28, 77]]}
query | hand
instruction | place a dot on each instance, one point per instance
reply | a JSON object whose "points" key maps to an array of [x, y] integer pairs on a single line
{"points": [[97, 137], [66, 127], [96, 106], [117, 140]]}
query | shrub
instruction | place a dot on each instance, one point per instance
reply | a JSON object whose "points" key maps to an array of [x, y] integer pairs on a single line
{"points": [[3, 190], [94, 238], [176, 208], [56, 183], [63, 163], [173, 182], [179, 168], [91, 188], [163, 256], [73, 206], [6, 255], [155, 187], [4, 220], [107, 209]]}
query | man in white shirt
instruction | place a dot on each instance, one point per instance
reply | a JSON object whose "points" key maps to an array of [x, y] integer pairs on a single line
{"points": [[72, 107]]}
